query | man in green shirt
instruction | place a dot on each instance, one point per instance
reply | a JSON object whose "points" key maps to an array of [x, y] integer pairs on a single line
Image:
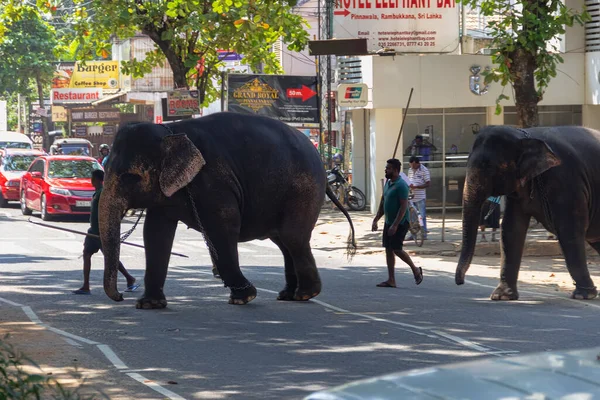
{"points": [[92, 245], [394, 205]]}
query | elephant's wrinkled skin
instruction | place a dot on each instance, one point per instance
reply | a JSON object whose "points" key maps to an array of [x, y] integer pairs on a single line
{"points": [[550, 173], [250, 177]]}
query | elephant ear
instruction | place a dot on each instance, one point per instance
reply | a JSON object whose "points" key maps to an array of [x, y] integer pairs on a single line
{"points": [[180, 164], [536, 158]]}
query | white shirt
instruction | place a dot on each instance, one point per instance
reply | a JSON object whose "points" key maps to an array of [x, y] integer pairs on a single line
{"points": [[419, 177]]}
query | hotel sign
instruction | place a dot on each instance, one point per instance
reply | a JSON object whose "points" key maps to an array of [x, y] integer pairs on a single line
{"points": [[405, 26]]}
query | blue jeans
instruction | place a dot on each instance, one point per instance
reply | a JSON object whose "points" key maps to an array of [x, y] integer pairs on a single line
{"points": [[420, 205]]}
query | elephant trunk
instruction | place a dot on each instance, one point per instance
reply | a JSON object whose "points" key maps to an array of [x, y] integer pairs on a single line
{"points": [[474, 195], [110, 213]]}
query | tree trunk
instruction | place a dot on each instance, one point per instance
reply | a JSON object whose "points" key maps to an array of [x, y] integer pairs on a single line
{"points": [[45, 137], [177, 65], [522, 68]]}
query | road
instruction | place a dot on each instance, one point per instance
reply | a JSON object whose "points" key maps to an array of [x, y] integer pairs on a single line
{"points": [[270, 349]]}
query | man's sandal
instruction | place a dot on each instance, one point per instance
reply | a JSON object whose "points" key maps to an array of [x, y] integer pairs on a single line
{"points": [[419, 279]]}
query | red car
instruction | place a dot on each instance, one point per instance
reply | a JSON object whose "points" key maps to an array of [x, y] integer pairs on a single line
{"points": [[58, 185], [13, 164]]}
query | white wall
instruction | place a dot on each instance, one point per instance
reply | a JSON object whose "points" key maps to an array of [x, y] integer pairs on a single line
{"points": [[359, 126], [443, 81]]}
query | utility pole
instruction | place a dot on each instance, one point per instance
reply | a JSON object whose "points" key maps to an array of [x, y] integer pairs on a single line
{"points": [[325, 12], [19, 126]]}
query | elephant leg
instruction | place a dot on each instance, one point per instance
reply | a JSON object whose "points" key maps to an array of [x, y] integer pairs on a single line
{"points": [[159, 232], [573, 248], [224, 233], [307, 275], [514, 231], [291, 280]]}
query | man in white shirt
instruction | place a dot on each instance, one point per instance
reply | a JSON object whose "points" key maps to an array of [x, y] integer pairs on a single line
{"points": [[420, 180]]}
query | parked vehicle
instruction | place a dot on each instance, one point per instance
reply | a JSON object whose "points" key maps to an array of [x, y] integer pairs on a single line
{"points": [[14, 140], [58, 185], [347, 194], [13, 164], [71, 146]]}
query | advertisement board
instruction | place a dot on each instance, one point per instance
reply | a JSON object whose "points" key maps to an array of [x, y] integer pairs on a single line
{"points": [[95, 115], [352, 95], [290, 99], [73, 96], [59, 114], [94, 74], [405, 26], [182, 103]]}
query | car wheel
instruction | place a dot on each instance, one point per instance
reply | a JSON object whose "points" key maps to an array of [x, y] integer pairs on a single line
{"points": [[24, 209], [3, 201], [44, 209]]}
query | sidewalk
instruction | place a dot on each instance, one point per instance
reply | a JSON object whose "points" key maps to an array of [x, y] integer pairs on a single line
{"points": [[332, 229]]}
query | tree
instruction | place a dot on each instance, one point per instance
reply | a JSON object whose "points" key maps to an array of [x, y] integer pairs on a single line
{"points": [[523, 55], [188, 33], [27, 46]]}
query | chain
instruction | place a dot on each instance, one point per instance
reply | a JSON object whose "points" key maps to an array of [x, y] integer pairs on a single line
{"points": [[248, 285], [211, 248], [129, 232]]}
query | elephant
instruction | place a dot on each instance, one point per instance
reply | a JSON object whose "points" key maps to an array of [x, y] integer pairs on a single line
{"points": [[233, 177], [549, 173]]}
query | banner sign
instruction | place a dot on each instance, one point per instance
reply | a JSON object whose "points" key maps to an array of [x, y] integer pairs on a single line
{"points": [[290, 99], [109, 129], [405, 26], [68, 95], [95, 115], [94, 74], [182, 103]]}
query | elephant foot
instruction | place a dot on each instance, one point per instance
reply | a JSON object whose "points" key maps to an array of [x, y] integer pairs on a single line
{"points": [[307, 294], [584, 293], [287, 294], [147, 303], [505, 292], [243, 295]]}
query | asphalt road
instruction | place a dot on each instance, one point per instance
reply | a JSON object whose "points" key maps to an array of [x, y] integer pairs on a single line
{"points": [[270, 349]]}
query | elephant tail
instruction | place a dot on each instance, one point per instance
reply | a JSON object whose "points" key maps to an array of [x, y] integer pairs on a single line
{"points": [[351, 247]]}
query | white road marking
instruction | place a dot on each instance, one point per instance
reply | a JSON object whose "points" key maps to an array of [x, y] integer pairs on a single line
{"points": [[155, 386], [112, 357], [13, 248], [69, 246], [418, 330], [105, 349]]}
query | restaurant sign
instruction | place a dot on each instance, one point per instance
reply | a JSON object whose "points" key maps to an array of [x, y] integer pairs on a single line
{"points": [[95, 115], [72, 95], [94, 74]]}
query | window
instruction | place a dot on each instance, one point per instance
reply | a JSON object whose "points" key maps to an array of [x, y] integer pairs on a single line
{"points": [[549, 115], [17, 162], [38, 166]]}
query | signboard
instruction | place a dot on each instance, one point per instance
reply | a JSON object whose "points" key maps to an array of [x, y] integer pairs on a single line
{"points": [[3, 116], [405, 26], [95, 115], [352, 95], [109, 129], [290, 99], [94, 74], [182, 103], [59, 114], [81, 130], [74, 96], [228, 55]]}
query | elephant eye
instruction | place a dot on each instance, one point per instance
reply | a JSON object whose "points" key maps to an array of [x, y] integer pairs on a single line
{"points": [[130, 179]]}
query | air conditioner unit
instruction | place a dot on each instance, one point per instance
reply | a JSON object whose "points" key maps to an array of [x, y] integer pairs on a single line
{"points": [[485, 52]]}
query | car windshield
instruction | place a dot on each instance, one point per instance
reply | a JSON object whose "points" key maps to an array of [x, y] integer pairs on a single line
{"points": [[72, 168], [74, 150], [16, 162], [15, 145]]}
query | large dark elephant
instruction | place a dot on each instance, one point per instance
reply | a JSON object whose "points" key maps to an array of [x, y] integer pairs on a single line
{"points": [[550, 173], [233, 177]]}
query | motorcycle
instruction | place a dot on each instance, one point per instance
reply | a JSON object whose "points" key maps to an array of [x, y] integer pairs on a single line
{"points": [[345, 193]]}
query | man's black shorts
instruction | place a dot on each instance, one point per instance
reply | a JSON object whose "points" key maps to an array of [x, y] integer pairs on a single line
{"points": [[397, 241], [91, 245]]}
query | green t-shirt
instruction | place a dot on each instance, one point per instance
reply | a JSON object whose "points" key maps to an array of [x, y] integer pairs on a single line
{"points": [[393, 192], [94, 213]]}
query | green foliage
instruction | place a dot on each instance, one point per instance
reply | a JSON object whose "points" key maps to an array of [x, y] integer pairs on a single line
{"points": [[186, 32], [529, 27], [16, 383]]}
